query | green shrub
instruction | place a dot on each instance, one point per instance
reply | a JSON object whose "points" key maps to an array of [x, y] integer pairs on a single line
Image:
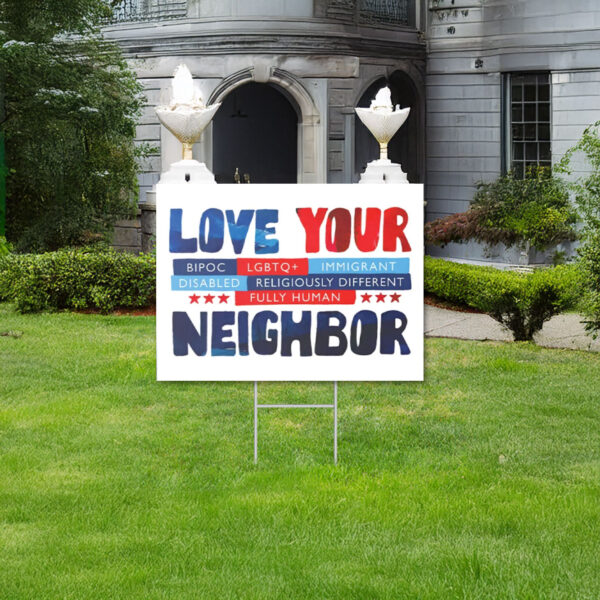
{"points": [[522, 302], [534, 211], [5, 247], [587, 195], [10, 268], [77, 279], [589, 261]]}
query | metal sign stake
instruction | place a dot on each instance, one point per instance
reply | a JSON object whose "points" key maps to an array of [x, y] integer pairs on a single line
{"points": [[334, 406]]}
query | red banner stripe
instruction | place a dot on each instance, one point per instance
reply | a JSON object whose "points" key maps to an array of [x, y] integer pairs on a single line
{"points": [[281, 266], [275, 297]]}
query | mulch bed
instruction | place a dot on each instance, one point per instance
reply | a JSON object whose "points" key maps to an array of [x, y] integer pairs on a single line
{"points": [[439, 303], [150, 311]]}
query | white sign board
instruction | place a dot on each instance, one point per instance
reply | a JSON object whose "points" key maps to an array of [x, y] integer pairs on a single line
{"points": [[289, 282]]}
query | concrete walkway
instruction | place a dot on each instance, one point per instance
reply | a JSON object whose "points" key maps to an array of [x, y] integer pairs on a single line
{"points": [[562, 331]]}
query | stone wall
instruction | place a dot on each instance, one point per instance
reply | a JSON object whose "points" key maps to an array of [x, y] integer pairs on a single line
{"points": [[463, 138], [139, 234], [127, 235]]}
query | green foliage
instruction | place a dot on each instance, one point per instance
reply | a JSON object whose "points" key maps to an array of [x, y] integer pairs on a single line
{"points": [[5, 247], [521, 302], [78, 279], [71, 109], [10, 271], [587, 193], [589, 259], [534, 211]]}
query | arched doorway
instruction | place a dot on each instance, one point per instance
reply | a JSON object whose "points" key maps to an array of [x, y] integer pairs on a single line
{"points": [[406, 147], [256, 132]]}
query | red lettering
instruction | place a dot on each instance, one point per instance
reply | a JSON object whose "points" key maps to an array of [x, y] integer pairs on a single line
{"points": [[366, 229], [312, 225], [367, 241], [338, 240], [394, 231]]}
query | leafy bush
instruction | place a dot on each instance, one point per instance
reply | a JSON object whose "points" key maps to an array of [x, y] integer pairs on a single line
{"points": [[535, 211], [587, 194], [5, 247], [521, 302], [589, 260], [10, 269], [78, 279]]}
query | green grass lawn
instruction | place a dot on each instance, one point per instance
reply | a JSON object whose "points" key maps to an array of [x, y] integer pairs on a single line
{"points": [[484, 482]]}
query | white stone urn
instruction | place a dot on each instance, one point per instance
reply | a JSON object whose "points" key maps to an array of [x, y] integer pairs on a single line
{"points": [[383, 121], [186, 117]]}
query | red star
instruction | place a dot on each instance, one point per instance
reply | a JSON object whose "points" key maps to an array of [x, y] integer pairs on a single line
{"points": [[395, 297], [380, 297], [194, 299], [223, 299], [366, 297], [208, 299]]}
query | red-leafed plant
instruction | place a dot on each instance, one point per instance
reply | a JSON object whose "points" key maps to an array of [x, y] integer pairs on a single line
{"points": [[535, 211]]}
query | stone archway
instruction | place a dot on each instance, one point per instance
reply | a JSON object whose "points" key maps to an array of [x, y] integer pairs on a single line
{"points": [[310, 159], [255, 133], [408, 146]]}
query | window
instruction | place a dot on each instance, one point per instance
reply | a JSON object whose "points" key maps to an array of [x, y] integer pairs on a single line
{"points": [[373, 12], [149, 10], [527, 122], [387, 12]]}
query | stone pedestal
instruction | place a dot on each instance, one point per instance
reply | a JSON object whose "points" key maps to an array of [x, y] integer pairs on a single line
{"points": [[383, 171], [188, 171], [148, 223]]}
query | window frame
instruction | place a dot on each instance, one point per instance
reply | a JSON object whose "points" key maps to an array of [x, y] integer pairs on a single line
{"points": [[507, 121]]}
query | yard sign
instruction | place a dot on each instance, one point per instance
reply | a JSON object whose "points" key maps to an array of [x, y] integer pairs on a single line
{"points": [[290, 282]]}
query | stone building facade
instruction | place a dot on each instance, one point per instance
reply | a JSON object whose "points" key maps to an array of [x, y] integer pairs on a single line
{"points": [[510, 83], [293, 66], [493, 85]]}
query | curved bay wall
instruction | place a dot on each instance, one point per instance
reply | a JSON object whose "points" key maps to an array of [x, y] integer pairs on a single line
{"points": [[323, 66]]}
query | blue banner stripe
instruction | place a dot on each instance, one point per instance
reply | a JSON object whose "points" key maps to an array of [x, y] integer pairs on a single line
{"points": [[207, 284], [189, 267], [373, 266], [331, 282]]}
